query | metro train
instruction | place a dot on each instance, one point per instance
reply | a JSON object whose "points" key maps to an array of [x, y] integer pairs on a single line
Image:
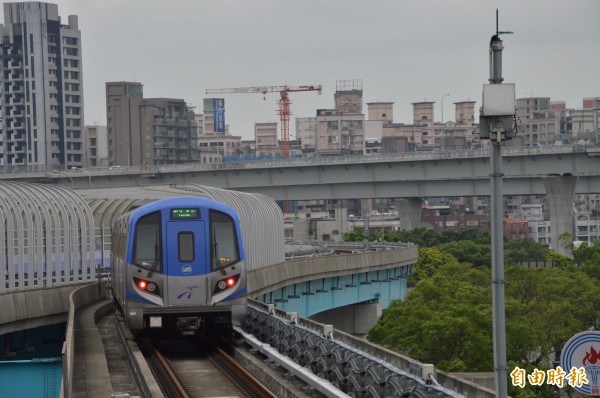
{"points": [[177, 267]]}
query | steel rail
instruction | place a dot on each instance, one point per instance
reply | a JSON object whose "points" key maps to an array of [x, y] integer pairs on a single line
{"points": [[172, 378], [247, 376]]}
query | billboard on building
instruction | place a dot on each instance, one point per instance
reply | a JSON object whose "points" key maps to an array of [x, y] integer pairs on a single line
{"points": [[219, 114]]}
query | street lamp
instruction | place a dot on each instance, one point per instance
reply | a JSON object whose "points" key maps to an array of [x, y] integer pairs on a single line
{"points": [[443, 129]]}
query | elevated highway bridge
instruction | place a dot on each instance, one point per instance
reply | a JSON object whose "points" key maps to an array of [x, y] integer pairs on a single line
{"points": [[402, 175], [557, 171]]}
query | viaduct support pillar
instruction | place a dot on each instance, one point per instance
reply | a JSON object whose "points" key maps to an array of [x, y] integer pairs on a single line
{"points": [[559, 191], [409, 211]]}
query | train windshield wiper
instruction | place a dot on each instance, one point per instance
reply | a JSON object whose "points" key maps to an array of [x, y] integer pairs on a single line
{"points": [[154, 264], [217, 259]]}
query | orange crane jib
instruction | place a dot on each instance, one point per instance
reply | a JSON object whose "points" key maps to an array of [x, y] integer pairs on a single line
{"points": [[284, 105]]}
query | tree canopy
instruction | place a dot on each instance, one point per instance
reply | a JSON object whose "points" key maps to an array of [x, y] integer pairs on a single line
{"points": [[446, 319]]}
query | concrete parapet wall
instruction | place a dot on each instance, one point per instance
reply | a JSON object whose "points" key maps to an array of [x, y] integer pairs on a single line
{"points": [[32, 308], [77, 299], [279, 275]]}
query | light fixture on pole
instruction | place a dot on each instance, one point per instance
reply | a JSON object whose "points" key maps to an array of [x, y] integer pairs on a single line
{"points": [[443, 129], [497, 123]]}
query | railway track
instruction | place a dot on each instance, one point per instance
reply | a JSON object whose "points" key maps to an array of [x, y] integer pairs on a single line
{"points": [[188, 369]]}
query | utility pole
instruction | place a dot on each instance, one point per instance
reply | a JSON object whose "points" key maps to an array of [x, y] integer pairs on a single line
{"points": [[497, 123]]}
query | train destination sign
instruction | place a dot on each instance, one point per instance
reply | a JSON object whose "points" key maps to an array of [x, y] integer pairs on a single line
{"points": [[184, 213]]}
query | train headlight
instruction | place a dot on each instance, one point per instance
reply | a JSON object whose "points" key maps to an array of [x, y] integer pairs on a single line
{"points": [[146, 286], [226, 283]]}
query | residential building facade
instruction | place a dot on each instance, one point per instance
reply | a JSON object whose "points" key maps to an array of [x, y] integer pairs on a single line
{"points": [[265, 135], [305, 133], [41, 87], [215, 143], [536, 122], [151, 131], [383, 111], [97, 146], [341, 131]]}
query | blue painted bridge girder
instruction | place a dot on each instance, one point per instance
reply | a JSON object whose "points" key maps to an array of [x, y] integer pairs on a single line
{"points": [[315, 296], [314, 285]]}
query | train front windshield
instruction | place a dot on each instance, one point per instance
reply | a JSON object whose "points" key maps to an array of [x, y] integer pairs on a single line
{"points": [[147, 246], [224, 247]]}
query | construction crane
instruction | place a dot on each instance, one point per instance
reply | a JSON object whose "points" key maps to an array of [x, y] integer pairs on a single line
{"points": [[284, 106]]}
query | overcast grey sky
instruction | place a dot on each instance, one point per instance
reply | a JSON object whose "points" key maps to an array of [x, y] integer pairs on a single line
{"points": [[404, 51]]}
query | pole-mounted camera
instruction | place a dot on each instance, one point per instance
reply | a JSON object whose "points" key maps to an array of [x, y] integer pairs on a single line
{"points": [[497, 115]]}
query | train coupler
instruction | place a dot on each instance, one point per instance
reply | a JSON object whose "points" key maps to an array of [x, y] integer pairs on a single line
{"points": [[189, 325]]}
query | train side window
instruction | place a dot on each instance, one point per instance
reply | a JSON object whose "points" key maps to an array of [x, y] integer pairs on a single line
{"points": [[185, 242], [147, 242], [224, 245]]}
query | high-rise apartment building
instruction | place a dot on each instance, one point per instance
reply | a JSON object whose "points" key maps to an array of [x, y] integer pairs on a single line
{"points": [[341, 131], [41, 87], [536, 122], [214, 141], [213, 117], [150, 131]]}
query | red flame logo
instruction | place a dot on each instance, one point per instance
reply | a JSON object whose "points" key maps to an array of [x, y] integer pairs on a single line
{"points": [[591, 357]]}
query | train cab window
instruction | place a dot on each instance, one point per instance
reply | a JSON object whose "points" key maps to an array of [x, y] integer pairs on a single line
{"points": [[224, 245], [147, 243], [185, 242]]}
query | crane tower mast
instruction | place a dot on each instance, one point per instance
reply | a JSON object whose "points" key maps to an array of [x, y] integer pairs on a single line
{"points": [[284, 111]]}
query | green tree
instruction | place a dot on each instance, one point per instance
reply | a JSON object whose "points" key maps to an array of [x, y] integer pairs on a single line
{"points": [[559, 260], [546, 306], [523, 250], [468, 251], [446, 319], [430, 260], [587, 258], [353, 236]]}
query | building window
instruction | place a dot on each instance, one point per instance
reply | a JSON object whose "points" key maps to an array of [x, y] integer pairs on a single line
{"points": [[332, 125], [73, 63]]}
